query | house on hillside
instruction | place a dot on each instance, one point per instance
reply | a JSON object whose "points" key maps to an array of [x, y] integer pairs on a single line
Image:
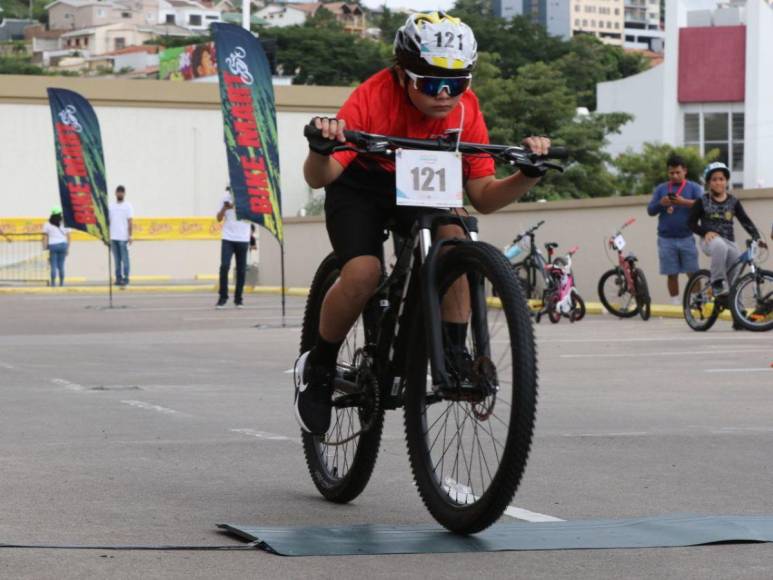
{"points": [[81, 14], [13, 28], [350, 16], [115, 37], [196, 16], [287, 14]]}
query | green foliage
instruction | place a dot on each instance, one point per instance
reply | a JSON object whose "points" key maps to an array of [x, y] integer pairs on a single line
{"points": [[175, 41], [323, 19], [21, 9], [388, 22], [19, 66], [639, 173], [325, 56], [315, 206]]}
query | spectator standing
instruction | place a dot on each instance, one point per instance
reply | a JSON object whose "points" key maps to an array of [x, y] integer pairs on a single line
{"points": [[235, 242], [121, 216], [671, 202], [56, 239]]}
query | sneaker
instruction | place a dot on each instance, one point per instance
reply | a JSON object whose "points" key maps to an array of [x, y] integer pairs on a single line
{"points": [[313, 392], [238, 304], [676, 301], [719, 288], [221, 303]]}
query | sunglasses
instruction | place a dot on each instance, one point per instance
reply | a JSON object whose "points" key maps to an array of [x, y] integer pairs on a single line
{"points": [[432, 86]]}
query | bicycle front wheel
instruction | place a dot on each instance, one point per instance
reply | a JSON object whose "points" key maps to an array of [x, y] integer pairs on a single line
{"points": [[341, 462], [752, 302], [698, 304], [615, 296], [469, 442]]}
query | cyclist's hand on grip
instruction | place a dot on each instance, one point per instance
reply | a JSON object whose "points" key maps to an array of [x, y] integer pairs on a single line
{"points": [[539, 146], [328, 135]]}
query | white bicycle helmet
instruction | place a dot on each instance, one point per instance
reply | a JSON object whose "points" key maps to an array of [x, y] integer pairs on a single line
{"points": [[715, 166], [436, 44]]}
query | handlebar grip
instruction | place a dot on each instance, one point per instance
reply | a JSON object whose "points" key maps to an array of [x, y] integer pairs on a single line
{"points": [[558, 153], [573, 250], [629, 222], [311, 132]]}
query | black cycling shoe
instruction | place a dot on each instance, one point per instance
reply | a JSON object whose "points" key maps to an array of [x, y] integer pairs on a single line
{"points": [[313, 394]]}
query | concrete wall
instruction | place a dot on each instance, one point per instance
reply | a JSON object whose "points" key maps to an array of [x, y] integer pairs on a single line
{"points": [[577, 222], [162, 140]]}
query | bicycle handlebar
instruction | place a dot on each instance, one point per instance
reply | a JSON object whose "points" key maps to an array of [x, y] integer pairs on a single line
{"points": [[530, 231], [371, 143]]}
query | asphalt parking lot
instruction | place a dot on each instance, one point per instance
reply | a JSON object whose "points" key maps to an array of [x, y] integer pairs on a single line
{"points": [[152, 422]]}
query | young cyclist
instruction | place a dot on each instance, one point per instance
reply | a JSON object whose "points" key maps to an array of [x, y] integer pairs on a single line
{"points": [[425, 94], [711, 217]]}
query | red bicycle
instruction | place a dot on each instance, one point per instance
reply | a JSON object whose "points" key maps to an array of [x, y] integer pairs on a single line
{"points": [[623, 290]]}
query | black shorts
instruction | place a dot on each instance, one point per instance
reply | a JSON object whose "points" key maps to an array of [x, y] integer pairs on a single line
{"points": [[357, 221]]}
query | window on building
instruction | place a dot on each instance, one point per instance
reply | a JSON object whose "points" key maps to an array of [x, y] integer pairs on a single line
{"points": [[170, 19], [85, 42], [212, 17], [194, 19], [584, 22], [576, 21], [100, 12], [126, 15], [723, 131], [576, 7], [617, 12], [120, 42]]}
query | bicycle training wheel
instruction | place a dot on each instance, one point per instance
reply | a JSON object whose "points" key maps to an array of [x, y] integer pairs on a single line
{"points": [[615, 296], [469, 442], [342, 461], [752, 302], [643, 300], [700, 309]]}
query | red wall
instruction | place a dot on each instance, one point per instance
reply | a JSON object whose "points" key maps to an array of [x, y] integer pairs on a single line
{"points": [[712, 64]]}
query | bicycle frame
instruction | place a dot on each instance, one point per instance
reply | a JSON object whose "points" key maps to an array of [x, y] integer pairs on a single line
{"points": [[565, 287], [390, 312], [625, 263]]}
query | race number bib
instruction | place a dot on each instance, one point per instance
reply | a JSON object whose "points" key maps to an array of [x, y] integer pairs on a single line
{"points": [[619, 242], [429, 178]]}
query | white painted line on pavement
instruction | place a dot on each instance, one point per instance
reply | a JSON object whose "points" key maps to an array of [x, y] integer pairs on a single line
{"points": [[749, 370], [718, 337], [526, 515], [609, 434], [661, 353], [453, 487], [7, 366], [151, 407], [70, 386], [265, 435]]}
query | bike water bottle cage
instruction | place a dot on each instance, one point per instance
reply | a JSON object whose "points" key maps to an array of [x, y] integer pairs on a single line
{"points": [[433, 86]]}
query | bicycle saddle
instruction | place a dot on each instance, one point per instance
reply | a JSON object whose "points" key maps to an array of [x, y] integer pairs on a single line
{"points": [[551, 246]]}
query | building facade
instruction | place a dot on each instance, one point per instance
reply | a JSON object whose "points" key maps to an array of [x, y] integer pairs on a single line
{"points": [[643, 29], [566, 18], [714, 90]]}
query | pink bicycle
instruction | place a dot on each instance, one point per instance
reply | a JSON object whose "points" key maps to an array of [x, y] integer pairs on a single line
{"points": [[561, 297], [623, 290]]}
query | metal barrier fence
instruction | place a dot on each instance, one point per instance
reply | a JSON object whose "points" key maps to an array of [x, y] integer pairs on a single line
{"points": [[23, 259]]}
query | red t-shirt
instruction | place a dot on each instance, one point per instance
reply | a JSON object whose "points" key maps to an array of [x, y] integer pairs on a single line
{"points": [[381, 106]]}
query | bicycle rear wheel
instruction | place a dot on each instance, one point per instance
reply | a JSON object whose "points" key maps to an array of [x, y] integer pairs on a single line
{"points": [[341, 462], [643, 300], [700, 308], [752, 302], [578, 307], [615, 296], [469, 444]]}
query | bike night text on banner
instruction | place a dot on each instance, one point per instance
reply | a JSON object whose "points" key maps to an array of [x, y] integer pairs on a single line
{"points": [[249, 119], [80, 164]]}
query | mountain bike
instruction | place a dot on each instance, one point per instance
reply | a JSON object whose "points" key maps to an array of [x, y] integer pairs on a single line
{"points": [[623, 290], [531, 269], [561, 297], [468, 415], [750, 299]]}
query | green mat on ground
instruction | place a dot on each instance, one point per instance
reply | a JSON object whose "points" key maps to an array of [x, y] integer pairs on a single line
{"points": [[649, 532]]}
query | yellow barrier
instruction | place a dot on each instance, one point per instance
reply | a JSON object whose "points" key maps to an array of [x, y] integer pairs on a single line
{"points": [[145, 229]]}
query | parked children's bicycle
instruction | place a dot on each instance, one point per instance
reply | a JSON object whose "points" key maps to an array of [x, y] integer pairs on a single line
{"points": [[469, 415], [750, 299], [531, 269], [623, 290], [561, 298]]}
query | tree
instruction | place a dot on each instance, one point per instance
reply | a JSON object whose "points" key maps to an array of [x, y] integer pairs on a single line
{"points": [[639, 173], [388, 22], [325, 56], [323, 19]]}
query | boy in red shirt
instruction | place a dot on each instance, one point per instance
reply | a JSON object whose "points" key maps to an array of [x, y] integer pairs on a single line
{"points": [[423, 95]]}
